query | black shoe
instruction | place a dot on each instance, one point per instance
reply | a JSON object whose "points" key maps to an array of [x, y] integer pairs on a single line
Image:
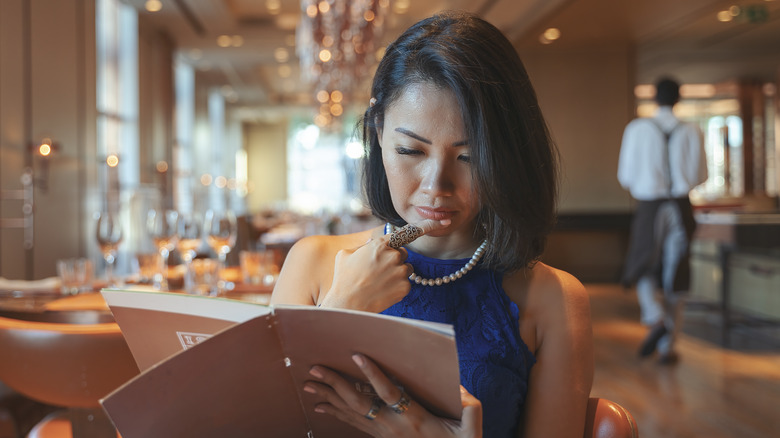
{"points": [[669, 358], [651, 340]]}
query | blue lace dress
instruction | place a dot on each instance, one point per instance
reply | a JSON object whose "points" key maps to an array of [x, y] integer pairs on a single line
{"points": [[494, 361]]}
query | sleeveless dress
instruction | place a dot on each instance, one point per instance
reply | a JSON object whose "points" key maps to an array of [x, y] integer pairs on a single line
{"points": [[494, 361]]}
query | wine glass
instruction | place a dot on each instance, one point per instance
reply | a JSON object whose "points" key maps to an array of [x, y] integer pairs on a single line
{"points": [[109, 235], [221, 229], [163, 227], [190, 226]]}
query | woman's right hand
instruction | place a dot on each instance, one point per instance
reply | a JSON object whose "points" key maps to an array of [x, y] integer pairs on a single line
{"points": [[340, 399], [374, 276]]}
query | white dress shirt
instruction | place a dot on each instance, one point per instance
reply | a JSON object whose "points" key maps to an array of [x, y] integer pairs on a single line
{"points": [[642, 165]]}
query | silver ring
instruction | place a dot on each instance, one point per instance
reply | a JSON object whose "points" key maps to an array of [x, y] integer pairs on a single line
{"points": [[404, 235], [374, 411], [402, 405]]}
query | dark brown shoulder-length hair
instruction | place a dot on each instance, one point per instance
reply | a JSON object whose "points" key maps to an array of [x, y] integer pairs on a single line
{"points": [[513, 159]]}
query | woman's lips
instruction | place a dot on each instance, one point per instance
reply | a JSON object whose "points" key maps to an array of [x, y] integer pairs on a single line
{"points": [[436, 214]]}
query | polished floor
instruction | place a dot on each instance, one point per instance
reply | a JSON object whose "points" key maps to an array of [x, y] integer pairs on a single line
{"points": [[712, 391]]}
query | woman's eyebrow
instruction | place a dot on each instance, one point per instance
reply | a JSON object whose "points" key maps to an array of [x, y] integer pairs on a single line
{"points": [[425, 140], [413, 135]]}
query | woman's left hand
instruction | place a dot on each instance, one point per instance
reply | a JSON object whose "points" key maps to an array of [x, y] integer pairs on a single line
{"points": [[392, 413]]}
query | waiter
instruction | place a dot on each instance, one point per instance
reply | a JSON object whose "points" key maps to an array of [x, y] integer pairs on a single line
{"points": [[661, 160]]}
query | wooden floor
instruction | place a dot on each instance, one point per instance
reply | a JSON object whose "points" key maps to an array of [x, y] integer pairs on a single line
{"points": [[712, 392]]}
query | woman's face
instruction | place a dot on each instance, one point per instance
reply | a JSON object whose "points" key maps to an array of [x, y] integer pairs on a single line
{"points": [[426, 155]]}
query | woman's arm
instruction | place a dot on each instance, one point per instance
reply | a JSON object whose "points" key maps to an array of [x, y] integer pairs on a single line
{"points": [[301, 274], [561, 379]]}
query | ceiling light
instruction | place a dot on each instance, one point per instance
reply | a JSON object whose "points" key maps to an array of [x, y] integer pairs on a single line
{"points": [[323, 6], [338, 45], [322, 96], [725, 16], [224, 41], [336, 109], [281, 55], [237, 41], [401, 6], [153, 5], [274, 6], [552, 33], [549, 35]]}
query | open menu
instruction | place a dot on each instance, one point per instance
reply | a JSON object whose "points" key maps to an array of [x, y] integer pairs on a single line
{"points": [[218, 367]]}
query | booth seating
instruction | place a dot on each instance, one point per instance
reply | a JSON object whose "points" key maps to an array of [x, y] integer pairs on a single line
{"points": [[65, 364]]}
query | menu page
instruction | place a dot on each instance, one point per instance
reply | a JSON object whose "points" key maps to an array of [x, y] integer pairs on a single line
{"points": [[247, 379]]}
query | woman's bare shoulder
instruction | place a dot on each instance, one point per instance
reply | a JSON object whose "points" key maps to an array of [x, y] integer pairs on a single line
{"points": [[542, 282], [325, 247], [309, 265], [547, 295]]}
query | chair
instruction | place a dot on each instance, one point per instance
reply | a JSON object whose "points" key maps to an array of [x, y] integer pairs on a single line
{"points": [[66, 364], [607, 419]]}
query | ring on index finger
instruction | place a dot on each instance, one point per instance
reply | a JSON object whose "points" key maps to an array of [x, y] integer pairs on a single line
{"points": [[404, 235], [374, 410]]}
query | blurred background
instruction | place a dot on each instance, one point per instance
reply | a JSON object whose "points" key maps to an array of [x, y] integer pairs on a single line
{"points": [[250, 105]]}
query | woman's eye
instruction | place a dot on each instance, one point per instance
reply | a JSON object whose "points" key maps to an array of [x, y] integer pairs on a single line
{"points": [[400, 150], [465, 158]]}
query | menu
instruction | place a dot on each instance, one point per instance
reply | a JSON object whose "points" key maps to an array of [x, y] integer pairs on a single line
{"points": [[219, 367]]}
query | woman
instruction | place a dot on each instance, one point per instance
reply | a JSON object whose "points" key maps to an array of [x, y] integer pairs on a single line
{"points": [[458, 148]]}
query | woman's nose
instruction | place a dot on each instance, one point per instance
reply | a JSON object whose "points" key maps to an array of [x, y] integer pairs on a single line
{"points": [[436, 177]]}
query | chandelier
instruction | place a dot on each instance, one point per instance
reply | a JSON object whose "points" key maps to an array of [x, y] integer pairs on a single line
{"points": [[337, 47]]}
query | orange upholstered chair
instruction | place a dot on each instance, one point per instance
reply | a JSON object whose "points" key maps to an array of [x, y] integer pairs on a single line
{"points": [[66, 364], [607, 419]]}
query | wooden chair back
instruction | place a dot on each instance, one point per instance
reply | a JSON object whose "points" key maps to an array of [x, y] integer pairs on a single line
{"points": [[607, 419]]}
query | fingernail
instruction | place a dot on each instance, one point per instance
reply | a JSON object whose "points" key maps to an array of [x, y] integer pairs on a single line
{"points": [[446, 222], [316, 373], [359, 360], [310, 389], [319, 410]]}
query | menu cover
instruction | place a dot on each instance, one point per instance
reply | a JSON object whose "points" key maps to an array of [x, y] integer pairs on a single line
{"points": [[218, 367]]}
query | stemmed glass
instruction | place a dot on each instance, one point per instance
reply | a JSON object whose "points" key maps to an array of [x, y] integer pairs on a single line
{"points": [[109, 235], [190, 226], [221, 229], [163, 227]]}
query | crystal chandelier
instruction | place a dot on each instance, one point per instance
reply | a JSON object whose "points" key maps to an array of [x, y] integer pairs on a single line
{"points": [[337, 46]]}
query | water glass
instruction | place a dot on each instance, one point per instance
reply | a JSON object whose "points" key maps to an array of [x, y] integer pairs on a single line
{"points": [[257, 267], [148, 267], [163, 227], [108, 232], [75, 275], [205, 277]]}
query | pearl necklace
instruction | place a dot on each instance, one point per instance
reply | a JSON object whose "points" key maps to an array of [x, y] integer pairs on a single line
{"points": [[389, 228]]}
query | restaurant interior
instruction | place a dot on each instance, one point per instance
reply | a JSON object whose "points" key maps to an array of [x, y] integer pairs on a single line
{"points": [[188, 144]]}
